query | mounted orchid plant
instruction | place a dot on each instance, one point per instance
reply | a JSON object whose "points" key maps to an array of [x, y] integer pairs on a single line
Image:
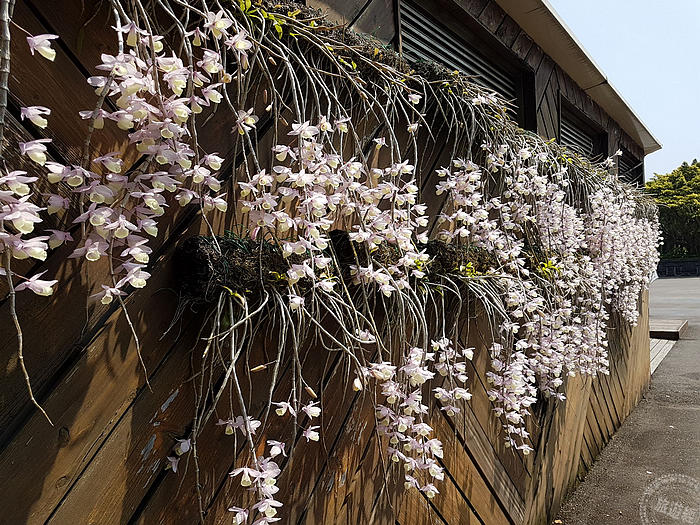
{"points": [[549, 244]]}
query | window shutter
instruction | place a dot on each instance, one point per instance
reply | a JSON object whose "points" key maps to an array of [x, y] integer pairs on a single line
{"points": [[576, 138], [424, 38], [629, 168]]}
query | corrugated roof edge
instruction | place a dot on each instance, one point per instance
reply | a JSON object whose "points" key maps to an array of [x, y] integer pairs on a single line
{"points": [[542, 23]]}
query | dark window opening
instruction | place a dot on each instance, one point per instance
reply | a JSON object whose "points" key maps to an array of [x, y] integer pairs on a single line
{"points": [[630, 168], [580, 134], [425, 38]]}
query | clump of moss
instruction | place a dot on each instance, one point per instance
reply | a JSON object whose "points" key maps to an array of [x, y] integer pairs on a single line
{"points": [[206, 265], [240, 264], [454, 258]]}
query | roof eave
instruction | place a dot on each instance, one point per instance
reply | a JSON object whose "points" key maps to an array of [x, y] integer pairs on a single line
{"points": [[542, 23]]}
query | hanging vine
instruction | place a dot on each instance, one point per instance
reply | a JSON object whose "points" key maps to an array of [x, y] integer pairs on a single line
{"points": [[345, 236]]}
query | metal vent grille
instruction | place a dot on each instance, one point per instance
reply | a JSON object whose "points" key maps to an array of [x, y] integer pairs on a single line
{"points": [[572, 136], [424, 38]]}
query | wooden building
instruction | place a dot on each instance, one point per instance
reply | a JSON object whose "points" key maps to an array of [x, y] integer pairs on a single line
{"points": [[523, 50], [103, 461]]}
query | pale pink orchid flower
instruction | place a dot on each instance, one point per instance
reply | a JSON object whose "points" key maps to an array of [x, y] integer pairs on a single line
{"points": [[240, 515], [183, 446], [304, 130], [198, 35], [110, 161], [22, 213], [246, 121], [36, 285], [277, 448], [105, 297], [34, 114], [217, 23], [58, 237], [35, 248], [311, 434], [132, 32], [247, 475], [172, 463], [413, 98], [42, 45], [35, 150], [312, 409], [283, 407], [57, 203], [17, 182]]}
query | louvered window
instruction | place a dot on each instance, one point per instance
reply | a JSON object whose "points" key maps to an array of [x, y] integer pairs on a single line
{"points": [[629, 168], [576, 138], [424, 38], [579, 134]]}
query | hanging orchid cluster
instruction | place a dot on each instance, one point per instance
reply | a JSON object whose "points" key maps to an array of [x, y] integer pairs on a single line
{"points": [[565, 242]]}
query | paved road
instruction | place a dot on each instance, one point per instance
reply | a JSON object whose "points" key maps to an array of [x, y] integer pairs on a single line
{"points": [[661, 437]]}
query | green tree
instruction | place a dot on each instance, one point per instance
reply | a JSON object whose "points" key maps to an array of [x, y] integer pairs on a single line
{"points": [[678, 196]]}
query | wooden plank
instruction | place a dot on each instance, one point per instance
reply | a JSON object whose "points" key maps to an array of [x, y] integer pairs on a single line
{"points": [[308, 459], [559, 450], [522, 44], [474, 7], [481, 449], [463, 470], [534, 57], [563, 82], [347, 490], [378, 20], [492, 16], [638, 367], [508, 31], [62, 87], [544, 122], [601, 412], [541, 126], [666, 347], [554, 107], [477, 332], [141, 440], [586, 456], [597, 440], [88, 403], [217, 457], [616, 392], [543, 75], [611, 401], [671, 329]]}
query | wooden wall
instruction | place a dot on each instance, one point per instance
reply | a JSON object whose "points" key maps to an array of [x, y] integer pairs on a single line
{"points": [[501, 33], [103, 460]]}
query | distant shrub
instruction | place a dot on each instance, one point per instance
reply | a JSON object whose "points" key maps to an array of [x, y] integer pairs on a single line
{"points": [[678, 196]]}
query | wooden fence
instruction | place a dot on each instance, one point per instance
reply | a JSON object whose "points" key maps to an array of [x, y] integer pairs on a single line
{"points": [[103, 461]]}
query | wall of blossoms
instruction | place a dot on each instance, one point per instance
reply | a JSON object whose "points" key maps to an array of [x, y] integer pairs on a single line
{"points": [[596, 249]]}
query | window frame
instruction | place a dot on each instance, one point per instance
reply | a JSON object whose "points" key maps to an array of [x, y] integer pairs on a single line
{"points": [[485, 44], [585, 124], [637, 163]]}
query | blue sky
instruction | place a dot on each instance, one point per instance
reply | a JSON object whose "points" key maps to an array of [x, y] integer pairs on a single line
{"points": [[650, 51]]}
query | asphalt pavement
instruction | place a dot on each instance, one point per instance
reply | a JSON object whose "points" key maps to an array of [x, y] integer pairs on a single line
{"points": [[650, 471]]}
